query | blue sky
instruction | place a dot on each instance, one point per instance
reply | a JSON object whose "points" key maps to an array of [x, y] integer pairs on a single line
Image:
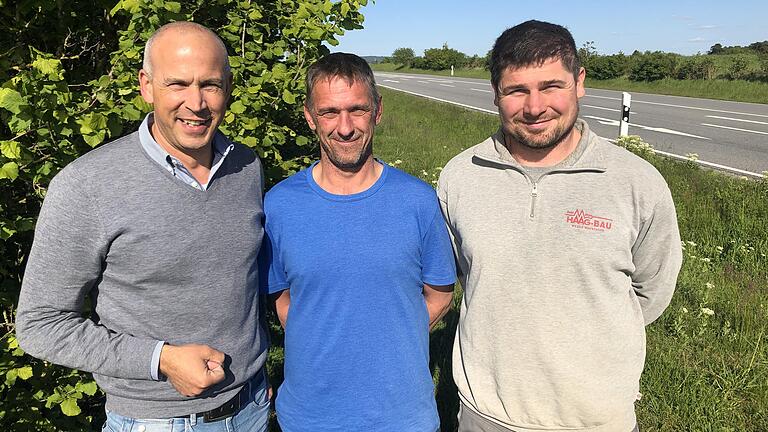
{"points": [[684, 27]]}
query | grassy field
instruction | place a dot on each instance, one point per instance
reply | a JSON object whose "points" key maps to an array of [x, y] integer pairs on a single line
{"points": [[737, 90], [707, 361]]}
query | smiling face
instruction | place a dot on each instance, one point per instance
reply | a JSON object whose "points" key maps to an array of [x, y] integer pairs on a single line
{"points": [[189, 86], [344, 117], [538, 105]]}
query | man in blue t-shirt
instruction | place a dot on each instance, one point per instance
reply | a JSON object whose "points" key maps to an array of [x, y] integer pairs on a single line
{"points": [[361, 267]]}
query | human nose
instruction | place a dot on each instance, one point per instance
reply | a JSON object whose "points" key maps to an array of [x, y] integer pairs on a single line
{"points": [[195, 99], [535, 105], [345, 126]]}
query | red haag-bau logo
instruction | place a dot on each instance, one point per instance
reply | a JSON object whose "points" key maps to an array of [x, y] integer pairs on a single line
{"points": [[583, 220]]}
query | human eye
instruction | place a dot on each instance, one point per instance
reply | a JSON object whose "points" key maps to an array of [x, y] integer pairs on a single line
{"points": [[176, 85], [213, 86], [360, 112], [328, 115], [514, 91]]}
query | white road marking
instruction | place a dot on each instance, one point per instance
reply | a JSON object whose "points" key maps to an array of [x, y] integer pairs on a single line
{"points": [[733, 128], [481, 90], [741, 120], [424, 82], [389, 80], [701, 162], [447, 85], [611, 122], [682, 106], [442, 100]]}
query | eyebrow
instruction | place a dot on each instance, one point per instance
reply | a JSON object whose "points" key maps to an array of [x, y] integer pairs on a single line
{"points": [[550, 82], [538, 85], [209, 81], [351, 108]]}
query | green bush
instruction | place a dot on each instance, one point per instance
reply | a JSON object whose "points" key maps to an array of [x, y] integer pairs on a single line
{"points": [[652, 66], [443, 58], [69, 83], [607, 67], [696, 68], [403, 56]]}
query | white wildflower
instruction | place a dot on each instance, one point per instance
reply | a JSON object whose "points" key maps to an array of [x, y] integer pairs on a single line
{"points": [[707, 311]]}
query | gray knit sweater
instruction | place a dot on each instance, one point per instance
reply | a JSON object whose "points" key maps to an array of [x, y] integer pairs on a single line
{"points": [[159, 260]]}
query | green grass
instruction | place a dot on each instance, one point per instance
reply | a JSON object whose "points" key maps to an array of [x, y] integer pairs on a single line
{"points": [[737, 90], [703, 372]]}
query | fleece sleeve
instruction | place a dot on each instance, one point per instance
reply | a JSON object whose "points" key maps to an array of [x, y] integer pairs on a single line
{"points": [[65, 263], [657, 256]]}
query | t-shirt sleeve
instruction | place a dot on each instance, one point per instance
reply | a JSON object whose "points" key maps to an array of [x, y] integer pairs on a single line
{"points": [[438, 264], [270, 264]]}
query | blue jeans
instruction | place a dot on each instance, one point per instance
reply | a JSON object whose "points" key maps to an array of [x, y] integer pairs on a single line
{"points": [[253, 417]]}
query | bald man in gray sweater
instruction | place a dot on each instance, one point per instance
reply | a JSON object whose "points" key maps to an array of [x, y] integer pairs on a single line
{"points": [[161, 230]]}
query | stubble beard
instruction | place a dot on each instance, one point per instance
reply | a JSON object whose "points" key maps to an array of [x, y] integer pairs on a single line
{"points": [[557, 136], [353, 164]]}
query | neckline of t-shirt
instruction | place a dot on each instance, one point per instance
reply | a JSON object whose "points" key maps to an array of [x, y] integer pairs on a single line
{"points": [[351, 197]]}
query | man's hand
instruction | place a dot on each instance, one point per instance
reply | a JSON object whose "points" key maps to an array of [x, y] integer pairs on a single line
{"points": [[191, 368]]}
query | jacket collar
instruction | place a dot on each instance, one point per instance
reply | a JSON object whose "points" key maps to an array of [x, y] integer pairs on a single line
{"points": [[592, 157]]}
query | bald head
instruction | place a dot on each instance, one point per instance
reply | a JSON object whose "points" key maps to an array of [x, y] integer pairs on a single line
{"points": [[180, 29]]}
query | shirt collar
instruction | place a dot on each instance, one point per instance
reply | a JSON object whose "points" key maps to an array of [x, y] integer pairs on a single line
{"points": [[221, 146]]}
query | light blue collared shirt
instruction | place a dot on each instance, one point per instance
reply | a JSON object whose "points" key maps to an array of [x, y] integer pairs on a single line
{"points": [[221, 147]]}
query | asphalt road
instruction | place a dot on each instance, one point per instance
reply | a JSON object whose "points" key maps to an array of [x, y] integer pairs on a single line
{"points": [[732, 136]]}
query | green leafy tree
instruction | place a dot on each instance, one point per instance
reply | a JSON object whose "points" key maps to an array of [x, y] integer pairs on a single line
{"points": [[652, 66], [443, 58], [607, 67], [403, 56], [68, 74], [738, 67], [697, 68], [586, 53]]}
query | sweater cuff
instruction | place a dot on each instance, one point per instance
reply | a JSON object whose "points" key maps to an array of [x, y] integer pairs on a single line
{"points": [[154, 370]]}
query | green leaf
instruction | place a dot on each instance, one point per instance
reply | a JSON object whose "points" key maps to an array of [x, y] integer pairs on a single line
{"points": [[289, 97], [95, 139], [24, 372], [10, 149], [88, 388], [302, 140], [69, 407], [48, 66], [174, 7], [344, 9], [10, 171], [5, 234], [11, 100], [255, 15], [10, 377], [237, 107]]}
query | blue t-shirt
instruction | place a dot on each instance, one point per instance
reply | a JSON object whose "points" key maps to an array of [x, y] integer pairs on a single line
{"points": [[357, 333]]}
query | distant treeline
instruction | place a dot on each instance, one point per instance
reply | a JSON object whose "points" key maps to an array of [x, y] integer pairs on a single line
{"points": [[720, 62]]}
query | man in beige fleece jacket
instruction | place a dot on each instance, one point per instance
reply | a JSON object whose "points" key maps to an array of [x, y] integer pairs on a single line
{"points": [[567, 247]]}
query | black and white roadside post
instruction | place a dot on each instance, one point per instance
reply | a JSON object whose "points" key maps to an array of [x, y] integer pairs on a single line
{"points": [[626, 100]]}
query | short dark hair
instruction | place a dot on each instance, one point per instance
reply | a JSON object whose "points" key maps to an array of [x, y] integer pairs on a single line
{"points": [[342, 65], [531, 44]]}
